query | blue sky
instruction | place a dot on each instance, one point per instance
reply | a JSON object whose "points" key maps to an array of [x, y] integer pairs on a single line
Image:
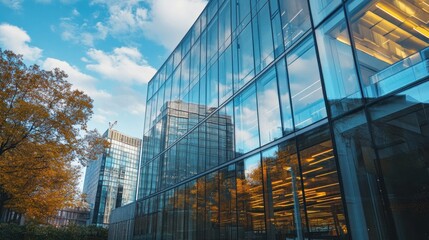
{"points": [[109, 48]]}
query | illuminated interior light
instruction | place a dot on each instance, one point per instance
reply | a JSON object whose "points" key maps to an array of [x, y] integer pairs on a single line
{"points": [[314, 170], [321, 160], [390, 11], [422, 31], [325, 174], [324, 186], [321, 153], [342, 40]]}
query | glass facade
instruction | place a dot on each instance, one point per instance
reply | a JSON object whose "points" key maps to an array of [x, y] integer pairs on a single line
{"points": [[110, 182], [290, 119]]}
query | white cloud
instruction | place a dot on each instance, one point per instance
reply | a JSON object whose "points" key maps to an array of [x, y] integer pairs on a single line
{"points": [[82, 34], [75, 12], [14, 4], [123, 64], [169, 20], [163, 21], [16, 39], [79, 80]]}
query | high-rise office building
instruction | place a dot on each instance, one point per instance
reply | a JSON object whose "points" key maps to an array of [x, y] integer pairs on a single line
{"points": [[111, 181], [328, 102]]}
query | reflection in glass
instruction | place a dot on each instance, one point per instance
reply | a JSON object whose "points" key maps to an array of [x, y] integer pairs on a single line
{"points": [[295, 20], [401, 132], [356, 159], [320, 9], [325, 213], [336, 58], [388, 36], [284, 96], [250, 200], [263, 40], [212, 206], [283, 193], [305, 87], [245, 57], [228, 203], [225, 75], [268, 107], [246, 121]]}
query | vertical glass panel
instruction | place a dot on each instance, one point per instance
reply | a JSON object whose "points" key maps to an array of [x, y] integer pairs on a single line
{"points": [[177, 55], [202, 147], [179, 212], [212, 40], [225, 75], [325, 213], [225, 26], [283, 192], [226, 133], [175, 89], [336, 58], [401, 133], [195, 62], [277, 34], [295, 20], [245, 57], [191, 209], [306, 89], [186, 44], [228, 203], [320, 9], [185, 77], [246, 121], [192, 154], [243, 12], [212, 206], [250, 200], [168, 216], [286, 110], [391, 40], [203, 52], [213, 86], [201, 207], [211, 10], [263, 44], [356, 158], [203, 96], [212, 141], [270, 126]]}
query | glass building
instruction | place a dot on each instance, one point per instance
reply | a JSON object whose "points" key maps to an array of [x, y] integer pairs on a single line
{"points": [[291, 119], [110, 182]]}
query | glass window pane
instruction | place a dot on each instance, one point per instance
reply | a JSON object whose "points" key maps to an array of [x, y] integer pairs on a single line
{"points": [[325, 213], [306, 89], [284, 97], [228, 201], [390, 38], [212, 86], [336, 58], [250, 200], [263, 40], [212, 206], [226, 133], [225, 75], [283, 192], [245, 57], [268, 107], [225, 26], [212, 40], [295, 19], [246, 121], [322, 8], [401, 133]]}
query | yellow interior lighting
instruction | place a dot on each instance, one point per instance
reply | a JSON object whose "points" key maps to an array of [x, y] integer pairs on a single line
{"points": [[321, 160], [393, 13], [422, 31], [321, 153]]}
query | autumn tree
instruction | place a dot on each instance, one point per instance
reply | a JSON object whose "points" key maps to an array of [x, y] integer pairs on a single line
{"points": [[43, 130]]}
